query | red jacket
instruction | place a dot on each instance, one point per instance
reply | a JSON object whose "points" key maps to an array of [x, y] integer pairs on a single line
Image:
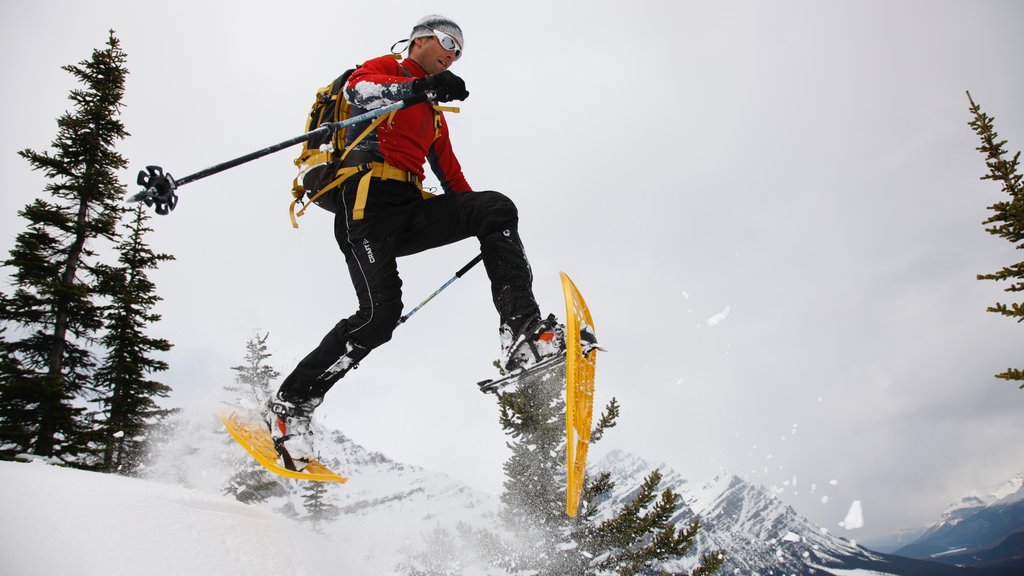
{"points": [[411, 138]]}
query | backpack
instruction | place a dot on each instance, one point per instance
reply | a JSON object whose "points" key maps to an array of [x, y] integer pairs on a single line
{"points": [[320, 161], [323, 149], [322, 154]]}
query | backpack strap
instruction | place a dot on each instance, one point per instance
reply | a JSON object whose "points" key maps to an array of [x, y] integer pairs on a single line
{"points": [[369, 170], [369, 129], [380, 170], [437, 117]]}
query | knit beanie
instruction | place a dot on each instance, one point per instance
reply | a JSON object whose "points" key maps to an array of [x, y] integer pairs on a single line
{"points": [[428, 24]]}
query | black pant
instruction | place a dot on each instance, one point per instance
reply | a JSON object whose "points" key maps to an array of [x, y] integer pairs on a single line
{"points": [[398, 222]]}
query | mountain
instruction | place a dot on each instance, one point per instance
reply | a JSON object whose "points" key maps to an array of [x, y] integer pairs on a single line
{"points": [[890, 543], [984, 530], [759, 533]]}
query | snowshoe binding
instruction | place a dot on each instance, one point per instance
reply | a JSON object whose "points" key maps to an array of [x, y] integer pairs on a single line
{"points": [[538, 346], [291, 429], [537, 340]]}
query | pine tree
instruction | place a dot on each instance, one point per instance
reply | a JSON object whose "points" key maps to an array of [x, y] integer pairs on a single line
{"points": [[16, 401], [252, 379], [632, 540], [54, 305], [1007, 219], [251, 482], [127, 395], [318, 507]]}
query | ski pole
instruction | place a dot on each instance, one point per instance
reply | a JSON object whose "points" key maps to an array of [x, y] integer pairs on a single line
{"points": [[159, 187], [458, 275]]}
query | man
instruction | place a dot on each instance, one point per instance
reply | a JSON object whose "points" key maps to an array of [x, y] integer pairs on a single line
{"points": [[391, 217]]}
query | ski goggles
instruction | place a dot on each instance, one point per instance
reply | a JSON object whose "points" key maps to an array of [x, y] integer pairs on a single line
{"points": [[448, 43]]}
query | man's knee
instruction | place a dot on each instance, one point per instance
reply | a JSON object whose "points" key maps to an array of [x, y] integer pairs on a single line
{"points": [[499, 212], [376, 323]]}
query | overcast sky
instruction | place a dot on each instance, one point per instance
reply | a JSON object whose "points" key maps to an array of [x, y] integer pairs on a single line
{"points": [[772, 208]]}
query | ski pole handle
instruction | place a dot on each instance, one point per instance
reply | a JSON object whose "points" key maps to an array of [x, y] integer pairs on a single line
{"points": [[462, 271]]}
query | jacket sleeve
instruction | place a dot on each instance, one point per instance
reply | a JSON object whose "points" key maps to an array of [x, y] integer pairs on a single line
{"points": [[445, 165], [377, 83]]}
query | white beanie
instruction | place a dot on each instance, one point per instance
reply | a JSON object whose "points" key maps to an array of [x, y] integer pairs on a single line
{"points": [[428, 24]]}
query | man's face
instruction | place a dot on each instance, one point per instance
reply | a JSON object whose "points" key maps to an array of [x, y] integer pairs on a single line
{"points": [[431, 56]]}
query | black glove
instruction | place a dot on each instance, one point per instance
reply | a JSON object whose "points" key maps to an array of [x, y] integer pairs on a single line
{"points": [[445, 86]]}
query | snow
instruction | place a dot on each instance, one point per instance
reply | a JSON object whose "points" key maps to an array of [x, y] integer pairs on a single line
{"points": [[1007, 493], [718, 318], [854, 516], [950, 552], [64, 521], [1010, 491], [178, 521], [853, 572]]}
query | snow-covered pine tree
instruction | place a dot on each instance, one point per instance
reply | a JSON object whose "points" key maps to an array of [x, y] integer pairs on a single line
{"points": [[316, 501], [54, 306], [250, 482], [444, 553], [127, 394], [632, 540], [252, 379], [1007, 219]]}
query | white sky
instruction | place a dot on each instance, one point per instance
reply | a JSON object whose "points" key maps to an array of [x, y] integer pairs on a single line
{"points": [[800, 172]]}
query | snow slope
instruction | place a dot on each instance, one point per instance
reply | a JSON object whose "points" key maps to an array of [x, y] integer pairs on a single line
{"points": [[392, 517], [64, 521], [183, 520]]}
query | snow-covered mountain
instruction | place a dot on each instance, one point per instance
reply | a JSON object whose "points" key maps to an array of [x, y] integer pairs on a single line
{"points": [[981, 529], [759, 533], [1009, 492]]}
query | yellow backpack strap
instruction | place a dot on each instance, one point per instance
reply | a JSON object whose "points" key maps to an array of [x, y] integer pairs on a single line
{"points": [[382, 171], [361, 193], [373, 126], [307, 152], [340, 176], [437, 117]]}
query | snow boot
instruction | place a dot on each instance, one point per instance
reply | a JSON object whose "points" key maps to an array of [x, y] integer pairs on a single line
{"points": [[292, 431], [537, 340]]}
